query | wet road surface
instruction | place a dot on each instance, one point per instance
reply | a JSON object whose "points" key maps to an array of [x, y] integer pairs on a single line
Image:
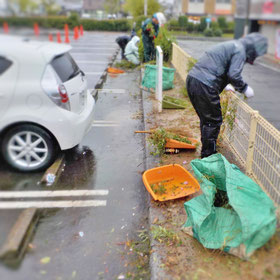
{"points": [[264, 80], [84, 243]]}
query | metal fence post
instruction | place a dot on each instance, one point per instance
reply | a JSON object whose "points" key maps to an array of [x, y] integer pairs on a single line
{"points": [[159, 78], [251, 142]]}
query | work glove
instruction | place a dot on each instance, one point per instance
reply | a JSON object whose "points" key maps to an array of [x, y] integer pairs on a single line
{"points": [[249, 92], [229, 87]]}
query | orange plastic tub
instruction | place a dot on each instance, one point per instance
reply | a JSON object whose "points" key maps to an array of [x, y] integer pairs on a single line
{"points": [[174, 144], [169, 182], [114, 70]]}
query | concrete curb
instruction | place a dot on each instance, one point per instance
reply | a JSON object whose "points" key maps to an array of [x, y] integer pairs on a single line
{"points": [[104, 74], [54, 169], [157, 272], [24, 227], [20, 235]]}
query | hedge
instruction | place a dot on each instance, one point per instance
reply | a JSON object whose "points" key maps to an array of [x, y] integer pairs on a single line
{"points": [[59, 22]]}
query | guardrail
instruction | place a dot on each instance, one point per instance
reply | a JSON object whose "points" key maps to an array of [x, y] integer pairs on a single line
{"points": [[252, 139]]}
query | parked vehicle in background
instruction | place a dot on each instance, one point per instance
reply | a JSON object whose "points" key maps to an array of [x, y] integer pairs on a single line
{"points": [[45, 105]]}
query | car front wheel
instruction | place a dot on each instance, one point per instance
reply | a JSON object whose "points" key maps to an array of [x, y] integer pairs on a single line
{"points": [[28, 148]]}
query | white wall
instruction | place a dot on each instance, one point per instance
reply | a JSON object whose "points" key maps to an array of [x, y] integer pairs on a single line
{"points": [[269, 31], [196, 8]]}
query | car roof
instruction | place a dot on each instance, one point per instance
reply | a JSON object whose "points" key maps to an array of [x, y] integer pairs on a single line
{"points": [[18, 47]]}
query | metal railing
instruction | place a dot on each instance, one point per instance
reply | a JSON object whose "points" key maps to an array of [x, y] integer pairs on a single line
{"points": [[252, 139]]}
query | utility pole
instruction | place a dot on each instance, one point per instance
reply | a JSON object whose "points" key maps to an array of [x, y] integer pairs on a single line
{"points": [[145, 8], [248, 6]]}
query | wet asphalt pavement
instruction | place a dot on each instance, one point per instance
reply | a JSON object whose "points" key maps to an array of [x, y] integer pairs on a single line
{"points": [[264, 80], [87, 243]]}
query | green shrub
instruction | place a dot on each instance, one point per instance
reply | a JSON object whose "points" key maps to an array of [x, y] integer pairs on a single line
{"points": [[165, 40], [73, 20], [230, 28], [208, 32], [203, 24], [190, 27], [218, 32], [59, 22], [222, 23], [173, 24], [139, 21], [183, 22], [214, 25]]}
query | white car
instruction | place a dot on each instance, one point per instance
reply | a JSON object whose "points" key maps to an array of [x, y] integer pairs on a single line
{"points": [[44, 102]]}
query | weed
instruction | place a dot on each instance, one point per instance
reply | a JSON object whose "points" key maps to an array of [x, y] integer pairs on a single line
{"points": [[184, 92], [162, 234], [158, 140], [191, 62], [229, 109], [125, 64], [158, 188]]}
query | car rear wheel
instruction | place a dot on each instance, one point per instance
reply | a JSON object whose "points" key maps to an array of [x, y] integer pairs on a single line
{"points": [[28, 148]]}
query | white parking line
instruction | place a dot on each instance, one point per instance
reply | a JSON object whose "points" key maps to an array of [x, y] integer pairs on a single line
{"points": [[92, 48], [52, 204], [103, 121], [98, 54], [112, 90], [104, 125], [93, 73], [91, 61], [24, 194]]}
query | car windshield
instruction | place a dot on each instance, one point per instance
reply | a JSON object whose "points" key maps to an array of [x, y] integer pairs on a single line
{"points": [[65, 67], [4, 64]]}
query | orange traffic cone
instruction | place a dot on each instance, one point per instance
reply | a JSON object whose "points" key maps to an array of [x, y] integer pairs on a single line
{"points": [[66, 29], [50, 37], [76, 33], [67, 40], [58, 37], [36, 29], [81, 30], [6, 27], [66, 32]]}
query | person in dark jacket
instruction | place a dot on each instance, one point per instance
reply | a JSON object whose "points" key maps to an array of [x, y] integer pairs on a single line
{"points": [[150, 29], [217, 68]]}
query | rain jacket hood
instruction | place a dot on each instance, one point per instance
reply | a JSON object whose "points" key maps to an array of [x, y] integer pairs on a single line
{"points": [[223, 64], [255, 45]]}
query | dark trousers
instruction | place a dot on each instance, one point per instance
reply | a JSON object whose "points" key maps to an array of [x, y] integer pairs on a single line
{"points": [[206, 102], [149, 48]]}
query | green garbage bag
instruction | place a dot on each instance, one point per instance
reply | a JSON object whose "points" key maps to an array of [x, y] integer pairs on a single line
{"points": [[149, 79], [233, 213]]}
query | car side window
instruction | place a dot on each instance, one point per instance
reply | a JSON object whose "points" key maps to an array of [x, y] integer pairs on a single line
{"points": [[4, 64]]}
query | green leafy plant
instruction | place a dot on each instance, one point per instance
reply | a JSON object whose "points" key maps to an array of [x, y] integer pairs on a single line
{"points": [[208, 32], [183, 21], [191, 62], [218, 33], [162, 234], [59, 22], [165, 40], [125, 64], [222, 23], [158, 140]]}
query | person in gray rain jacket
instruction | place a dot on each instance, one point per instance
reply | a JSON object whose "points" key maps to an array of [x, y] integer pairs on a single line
{"points": [[216, 69], [131, 50]]}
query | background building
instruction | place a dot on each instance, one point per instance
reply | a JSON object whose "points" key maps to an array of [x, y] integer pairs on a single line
{"points": [[210, 8], [259, 16]]}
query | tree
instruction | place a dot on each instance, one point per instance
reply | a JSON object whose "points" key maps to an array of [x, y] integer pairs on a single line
{"points": [[24, 6], [50, 6], [136, 7], [112, 6]]}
